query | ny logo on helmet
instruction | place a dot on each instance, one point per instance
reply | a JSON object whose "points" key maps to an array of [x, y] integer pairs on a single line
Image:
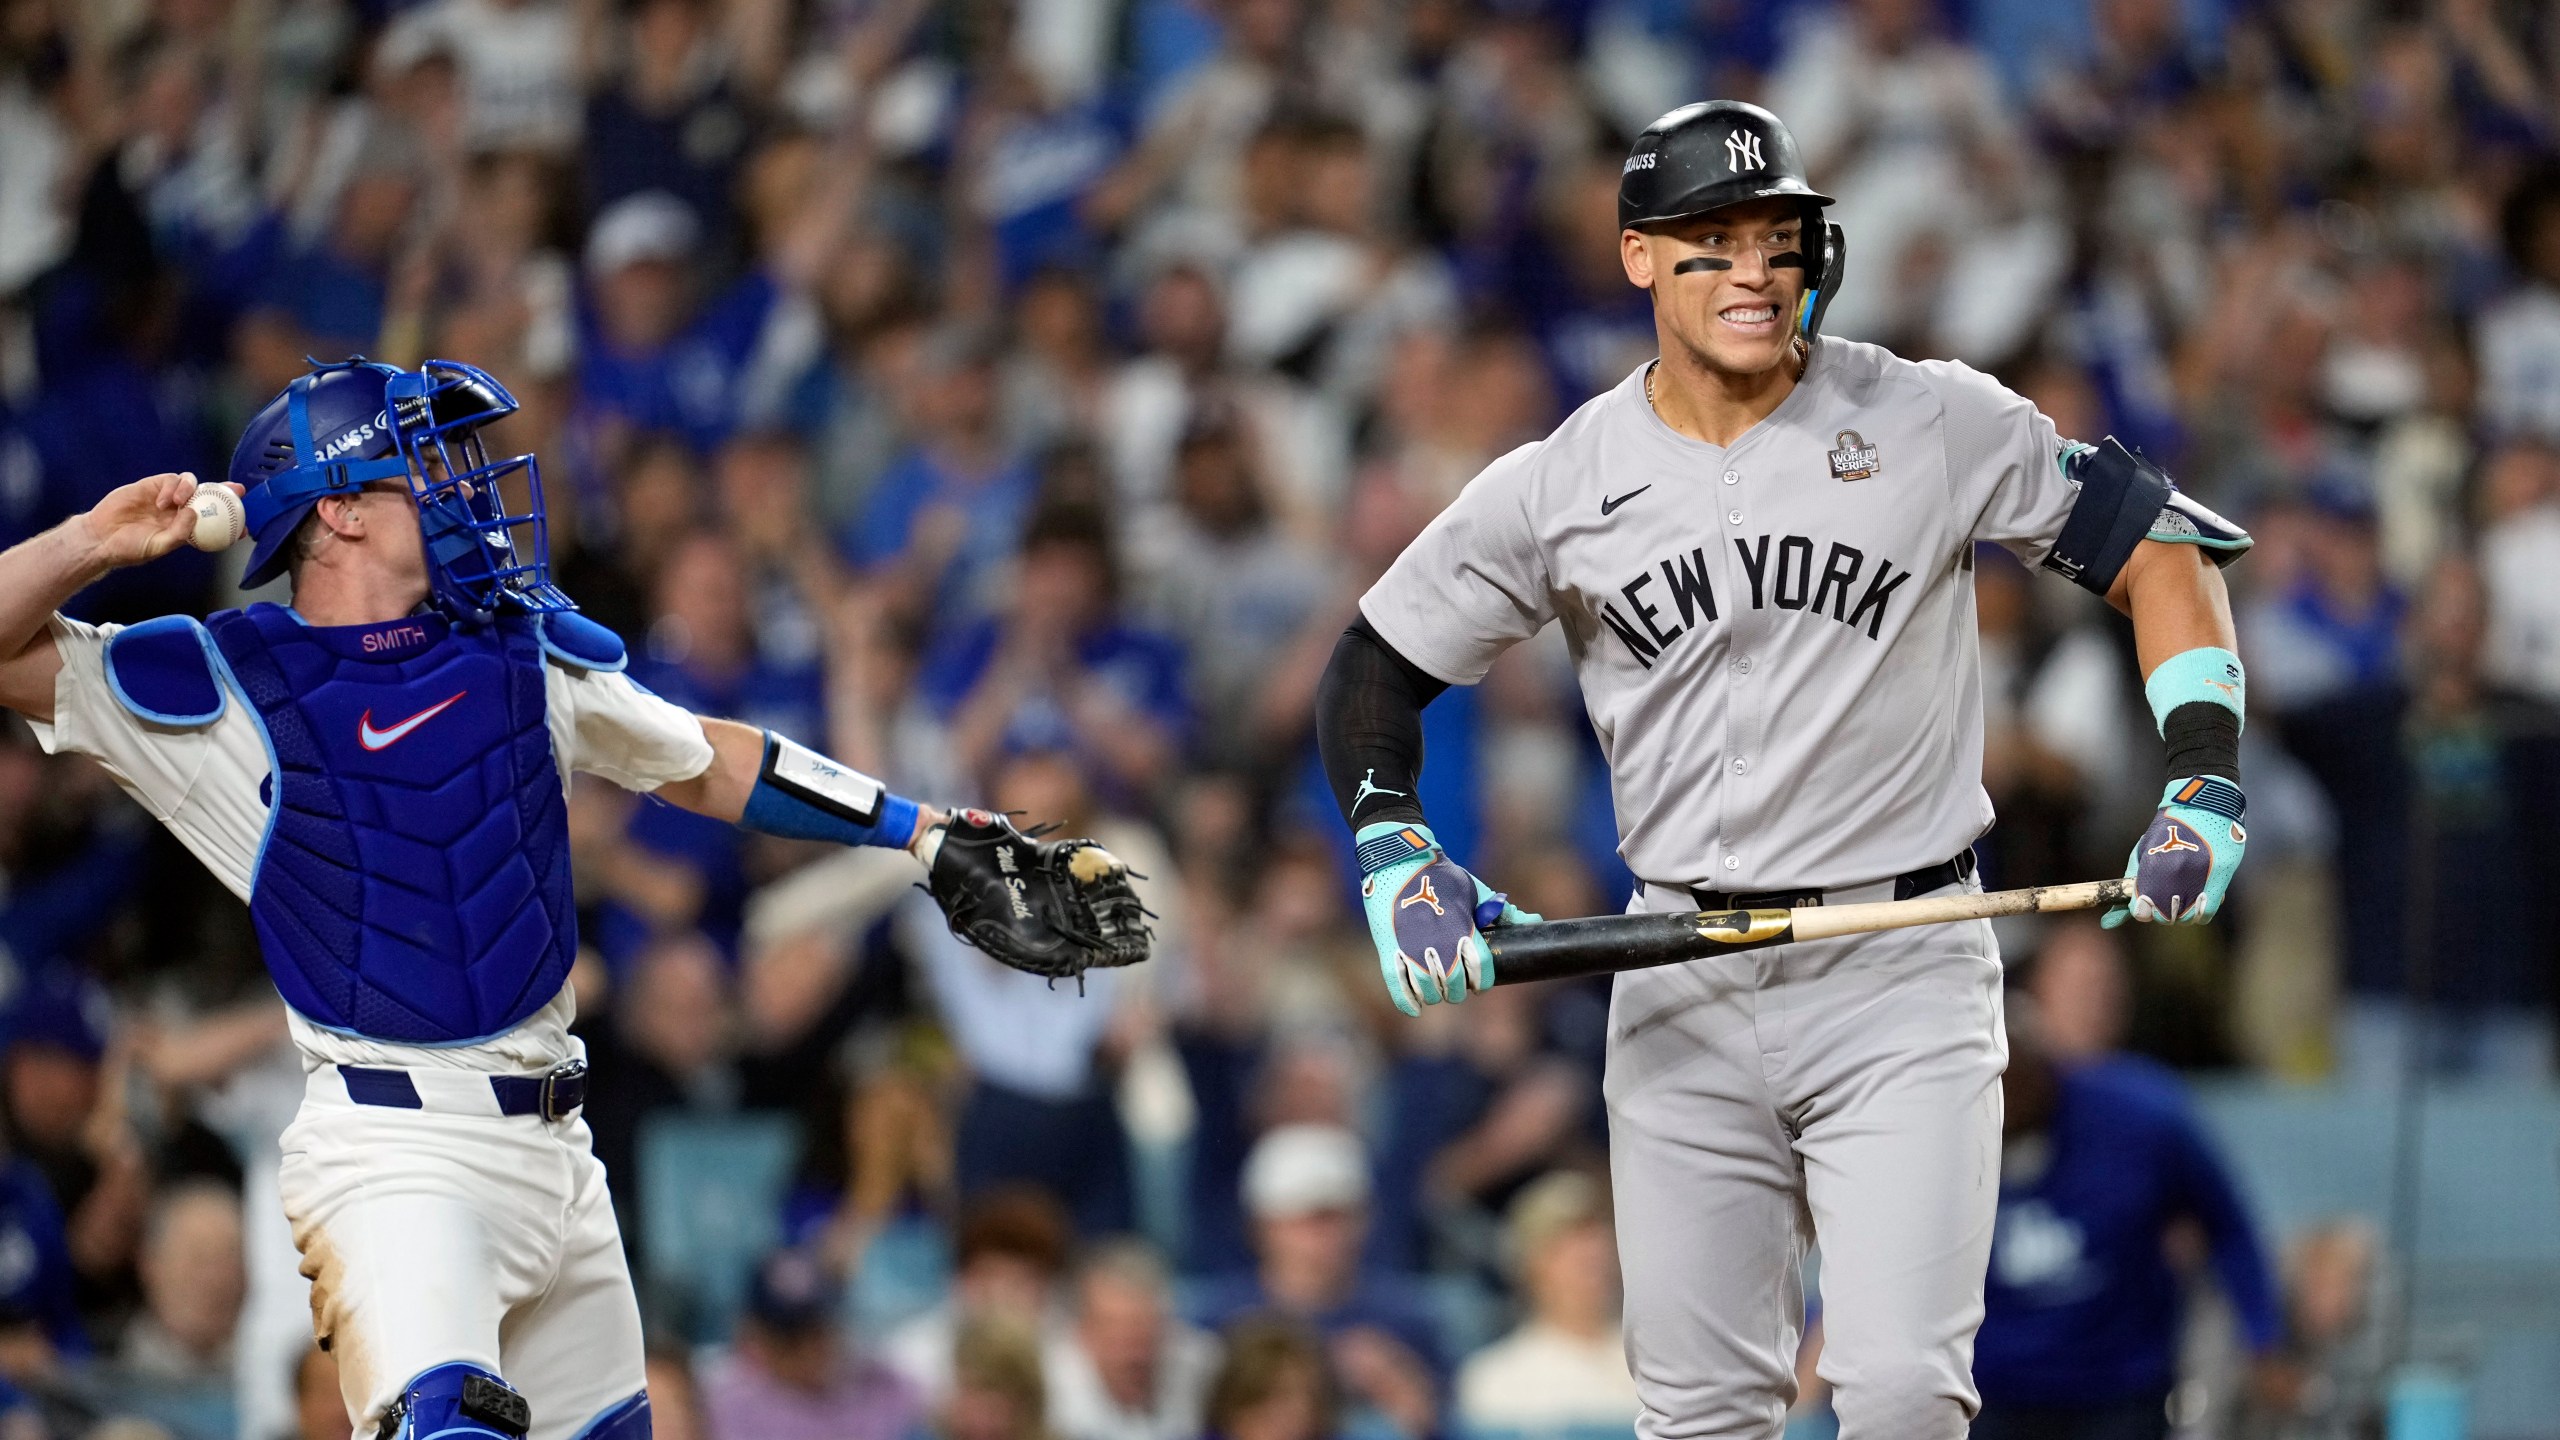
{"points": [[1742, 151]]}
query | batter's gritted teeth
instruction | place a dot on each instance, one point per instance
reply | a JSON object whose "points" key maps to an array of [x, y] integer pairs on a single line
{"points": [[1750, 314]]}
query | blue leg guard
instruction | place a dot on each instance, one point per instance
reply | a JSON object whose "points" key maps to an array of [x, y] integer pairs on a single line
{"points": [[458, 1402], [626, 1421]]}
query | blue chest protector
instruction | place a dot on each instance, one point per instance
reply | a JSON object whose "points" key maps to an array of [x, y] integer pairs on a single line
{"points": [[414, 884]]}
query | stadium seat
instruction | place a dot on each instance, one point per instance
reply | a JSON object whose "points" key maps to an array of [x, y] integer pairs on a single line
{"points": [[710, 1197]]}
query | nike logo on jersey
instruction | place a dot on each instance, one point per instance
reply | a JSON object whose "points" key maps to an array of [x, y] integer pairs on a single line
{"points": [[1369, 787], [1609, 506], [373, 739]]}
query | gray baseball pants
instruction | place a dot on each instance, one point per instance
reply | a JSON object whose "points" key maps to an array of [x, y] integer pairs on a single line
{"points": [[1845, 1092]]}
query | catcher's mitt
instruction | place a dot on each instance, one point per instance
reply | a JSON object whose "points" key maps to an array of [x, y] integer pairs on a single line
{"points": [[1051, 907]]}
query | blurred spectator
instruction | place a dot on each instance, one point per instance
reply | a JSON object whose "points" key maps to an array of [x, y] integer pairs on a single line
{"points": [[1477, 1106], [39, 1321], [522, 62], [1320, 297], [1565, 1366], [940, 521], [671, 120], [2325, 1380], [791, 1374], [192, 1285], [1063, 670], [2056, 736], [1055, 382], [997, 1392], [2476, 767], [2326, 633], [65, 1109], [1010, 1253], [2520, 562], [1274, 1384], [1908, 131], [653, 352], [669, 1043], [2077, 984], [1307, 1190], [2102, 1164], [1134, 1370], [1181, 322], [1041, 1105], [329, 297], [2519, 335], [1232, 587]]}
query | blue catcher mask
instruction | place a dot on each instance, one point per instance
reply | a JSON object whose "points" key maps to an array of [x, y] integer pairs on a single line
{"points": [[482, 556]]}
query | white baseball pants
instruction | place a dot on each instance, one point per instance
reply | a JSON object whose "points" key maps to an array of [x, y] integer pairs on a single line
{"points": [[1845, 1091], [455, 1233]]}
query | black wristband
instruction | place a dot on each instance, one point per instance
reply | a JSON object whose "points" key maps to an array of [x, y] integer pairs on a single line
{"points": [[2204, 739]]}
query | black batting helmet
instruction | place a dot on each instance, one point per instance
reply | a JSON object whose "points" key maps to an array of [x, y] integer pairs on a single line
{"points": [[1716, 153], [1706, 156]]}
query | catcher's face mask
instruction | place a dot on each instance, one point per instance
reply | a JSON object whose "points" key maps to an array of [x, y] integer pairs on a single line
{"points": [[482, 556]]}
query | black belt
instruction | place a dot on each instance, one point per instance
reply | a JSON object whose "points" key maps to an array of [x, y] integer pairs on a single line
{"points": [[555, 1096], [1917, 882]]}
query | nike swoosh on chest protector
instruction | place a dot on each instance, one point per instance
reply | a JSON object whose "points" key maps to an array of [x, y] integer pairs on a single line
{"points": [[373, 739]]}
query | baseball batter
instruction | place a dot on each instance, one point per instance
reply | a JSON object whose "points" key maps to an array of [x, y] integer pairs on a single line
{"points": [[1759, 549], [379, 771]]}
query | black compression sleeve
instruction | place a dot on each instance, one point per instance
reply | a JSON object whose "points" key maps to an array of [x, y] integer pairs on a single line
{"points": [[1369, 727]]}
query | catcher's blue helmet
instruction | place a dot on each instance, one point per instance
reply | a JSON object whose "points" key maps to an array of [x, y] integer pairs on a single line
{"points": [[348, 425]]}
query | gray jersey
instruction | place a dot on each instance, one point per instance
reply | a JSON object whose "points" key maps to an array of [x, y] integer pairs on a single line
{"points": [[1775, 639]]}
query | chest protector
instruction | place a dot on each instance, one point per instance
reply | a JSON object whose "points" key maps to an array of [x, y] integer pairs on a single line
{"points": [[414, 885]]}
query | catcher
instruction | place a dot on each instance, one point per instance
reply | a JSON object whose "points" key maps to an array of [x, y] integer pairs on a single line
{"points": [[379, 771]]}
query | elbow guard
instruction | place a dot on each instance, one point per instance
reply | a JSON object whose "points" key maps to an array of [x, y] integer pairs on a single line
{"points": [[2124, 500], [802, 795]]}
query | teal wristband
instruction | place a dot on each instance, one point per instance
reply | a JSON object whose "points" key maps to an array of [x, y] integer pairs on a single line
{"points": [[2207, 674]]}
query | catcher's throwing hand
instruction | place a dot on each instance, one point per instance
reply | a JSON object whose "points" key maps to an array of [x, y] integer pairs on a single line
{"points": [[1055, 908], [1427, 916], [2182, 865], [141, 522]]}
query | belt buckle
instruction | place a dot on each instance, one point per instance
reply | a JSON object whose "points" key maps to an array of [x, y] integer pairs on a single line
{"points": [[564, 1090]]}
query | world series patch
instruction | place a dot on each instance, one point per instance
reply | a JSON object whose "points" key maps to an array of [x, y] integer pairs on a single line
{"points": [[1855, 459]]}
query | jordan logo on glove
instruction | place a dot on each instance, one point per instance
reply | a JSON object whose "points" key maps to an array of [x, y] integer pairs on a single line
{"points": [[2176, 841], [1423, 894]]}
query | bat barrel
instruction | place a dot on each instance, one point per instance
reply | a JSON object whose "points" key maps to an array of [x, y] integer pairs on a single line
{"points": [[1565, 949]]}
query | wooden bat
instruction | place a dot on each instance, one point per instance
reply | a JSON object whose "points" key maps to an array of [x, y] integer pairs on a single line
{"points": [[1566, 948]]}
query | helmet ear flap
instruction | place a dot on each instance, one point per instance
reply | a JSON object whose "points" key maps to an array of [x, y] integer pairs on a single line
{"points": [[1822, 278]]}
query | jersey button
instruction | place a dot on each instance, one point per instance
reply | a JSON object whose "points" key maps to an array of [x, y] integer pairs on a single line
{"points": [[1733, 516], [1733, 862], [1742, 666], [1740, 765], [1733, 477]]}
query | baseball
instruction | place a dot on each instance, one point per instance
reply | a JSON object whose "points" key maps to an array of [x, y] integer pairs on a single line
{"points": [[220, 518]]}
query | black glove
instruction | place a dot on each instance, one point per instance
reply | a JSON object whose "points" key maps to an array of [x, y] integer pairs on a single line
{"points": [[1055, 908]]}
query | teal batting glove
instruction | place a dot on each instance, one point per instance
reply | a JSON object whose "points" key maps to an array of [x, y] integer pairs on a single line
{"points": [[1427, 916], [2183, 864]]}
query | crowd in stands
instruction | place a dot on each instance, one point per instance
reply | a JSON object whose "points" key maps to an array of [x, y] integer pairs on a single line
{"points": [[1014, 399]]}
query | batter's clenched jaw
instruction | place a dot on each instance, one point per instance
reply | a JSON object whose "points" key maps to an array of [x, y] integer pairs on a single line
{"points": [[1726, 285]]}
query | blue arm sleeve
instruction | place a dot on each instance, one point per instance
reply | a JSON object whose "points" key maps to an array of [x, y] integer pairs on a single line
{"points": [[2238, 1261], [802, 795]]}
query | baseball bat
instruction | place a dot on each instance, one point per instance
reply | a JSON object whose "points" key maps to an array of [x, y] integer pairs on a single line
{"points": [[1563, 949]]}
